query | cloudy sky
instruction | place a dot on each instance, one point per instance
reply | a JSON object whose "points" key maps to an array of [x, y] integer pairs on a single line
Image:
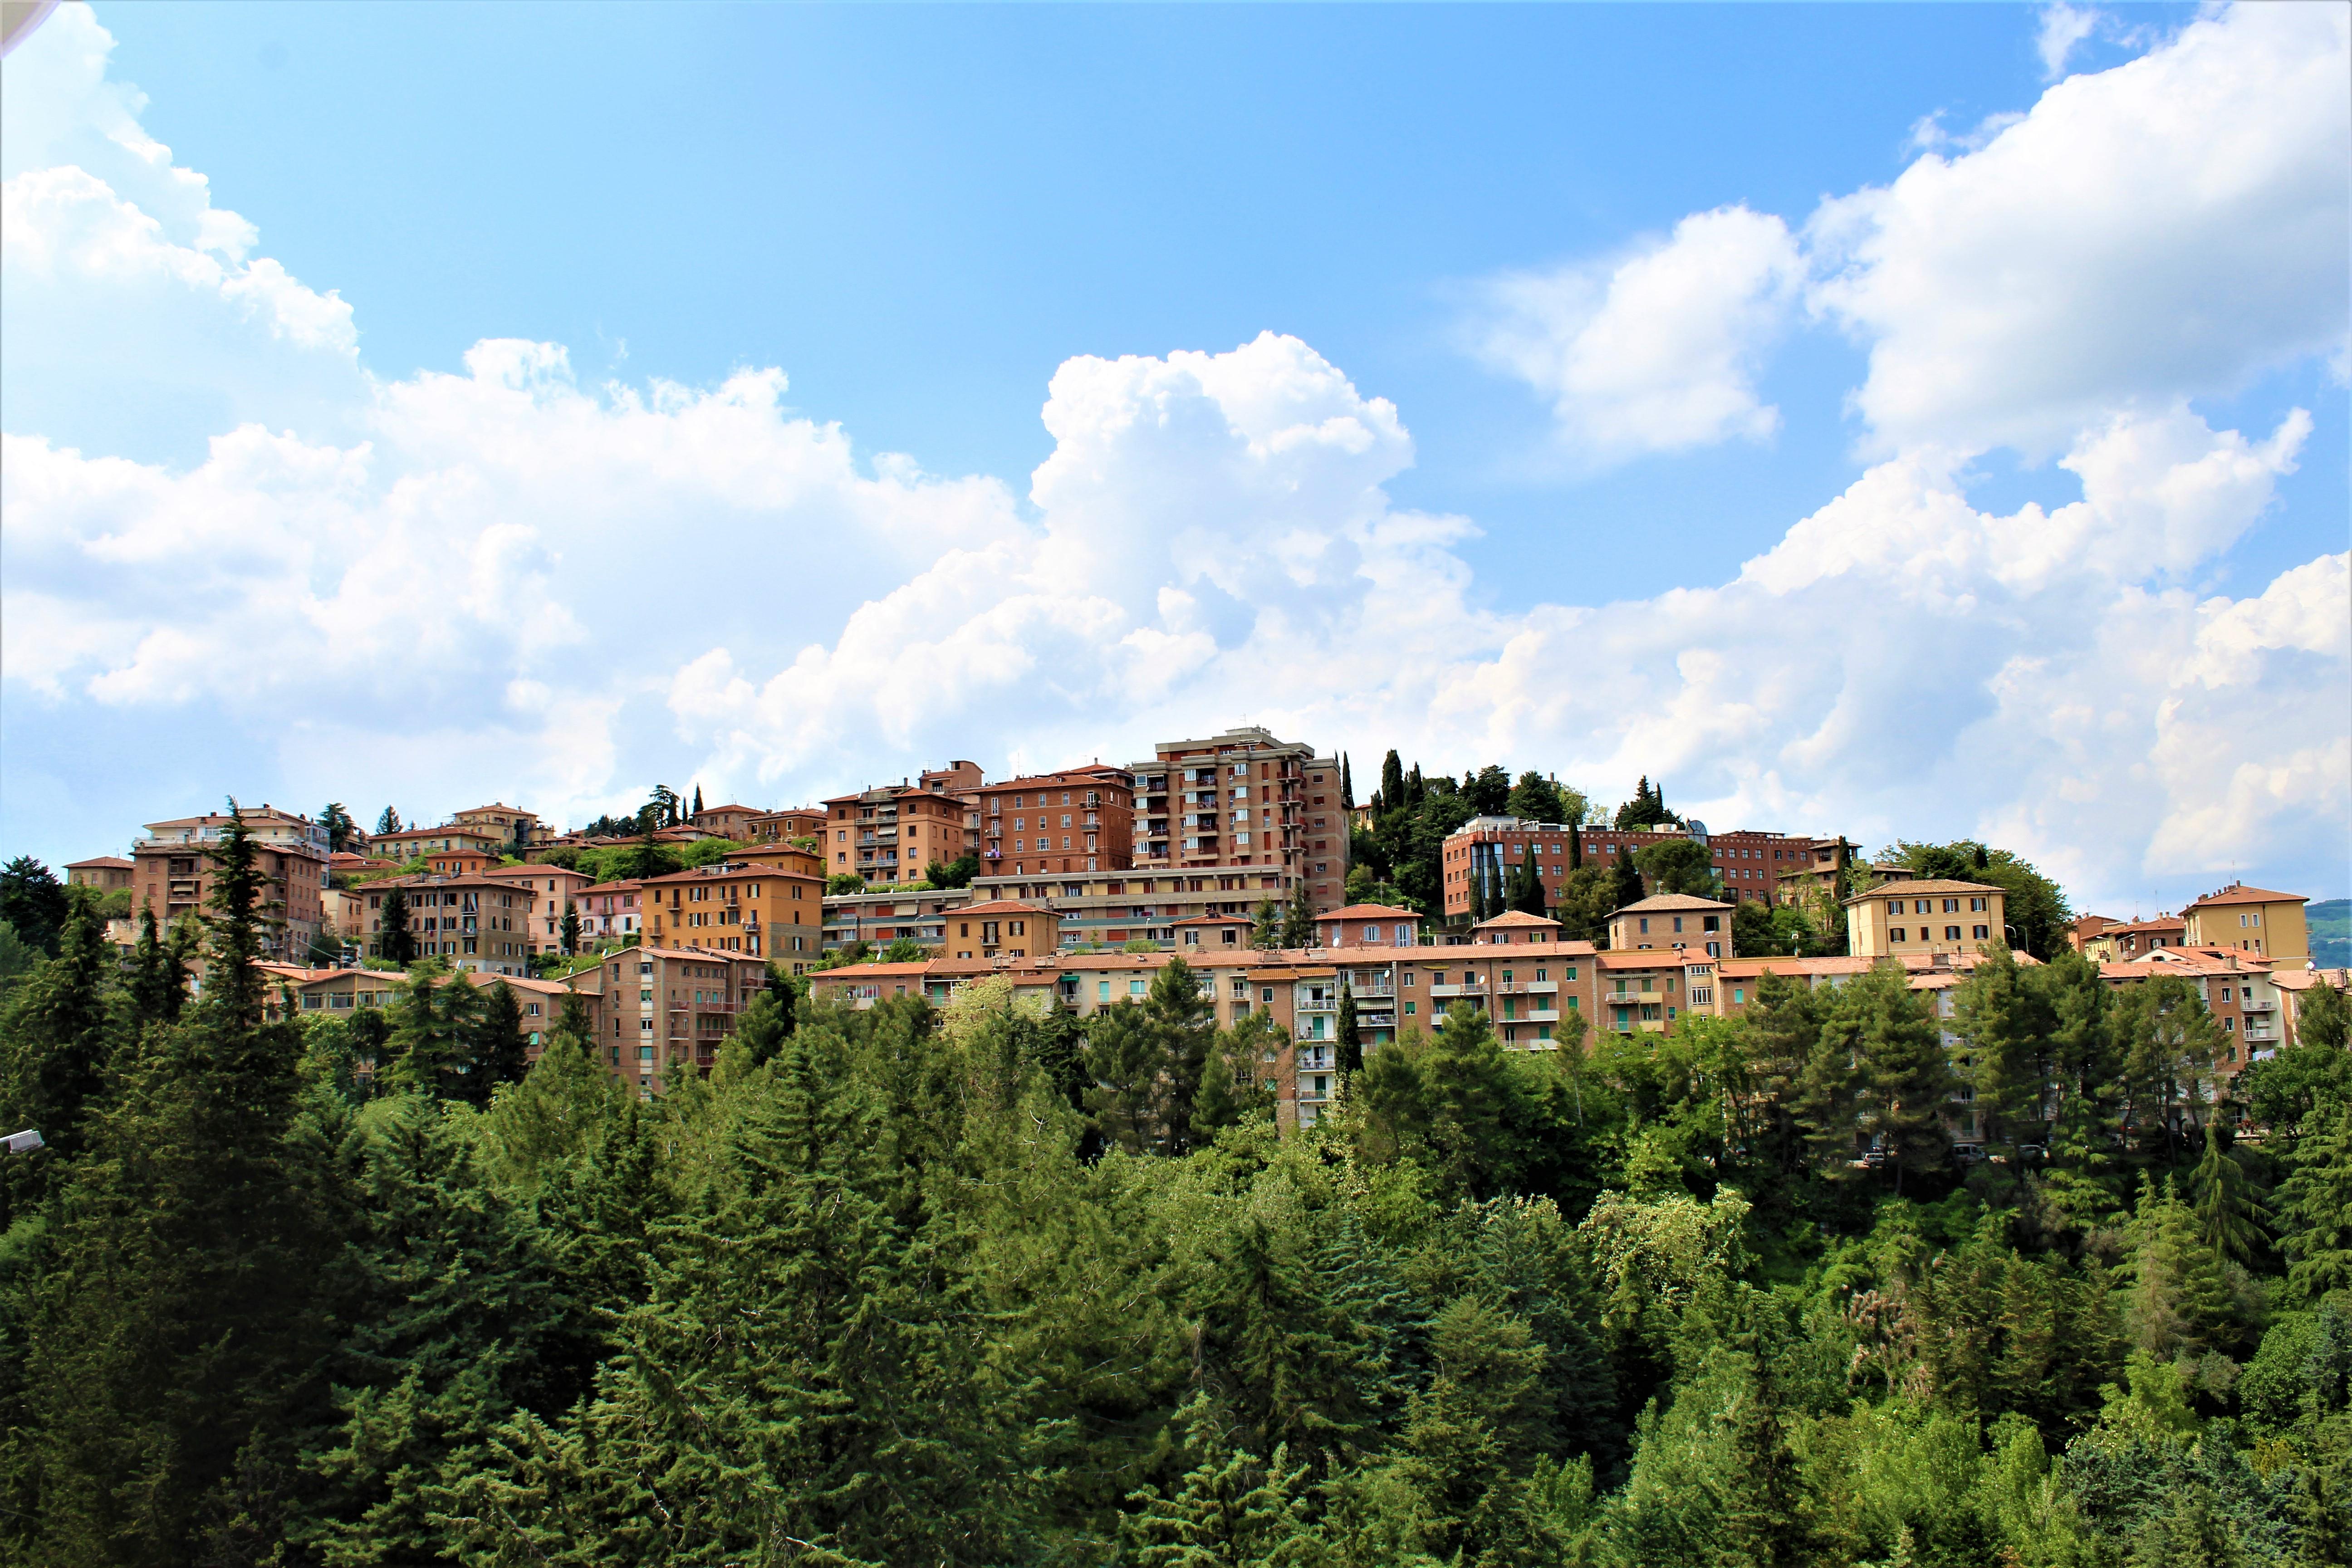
{"points": [[1903, 421]]}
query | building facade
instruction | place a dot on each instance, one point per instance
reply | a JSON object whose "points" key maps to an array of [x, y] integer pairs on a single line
{"points": [[2251, 920], [104, 872], [1076, 822], [172, 873], [475, 923], [737, 907], [1924, 916], [661, 1013], [890, 834], [1245, 804]]}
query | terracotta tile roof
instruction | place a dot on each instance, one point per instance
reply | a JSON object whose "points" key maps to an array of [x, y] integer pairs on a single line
{"points": [[1521, 917], [2245, 895], [1908, 886], [1369, 912], [102, 863], [1002, 907], [1671, 902]]}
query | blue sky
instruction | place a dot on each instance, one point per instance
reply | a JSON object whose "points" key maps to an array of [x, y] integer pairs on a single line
{"points": [[920, 216]]}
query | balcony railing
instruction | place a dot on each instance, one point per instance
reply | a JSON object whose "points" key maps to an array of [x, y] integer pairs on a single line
{"points": [[2252, 1006], [1474, 988], [1527, 987]]}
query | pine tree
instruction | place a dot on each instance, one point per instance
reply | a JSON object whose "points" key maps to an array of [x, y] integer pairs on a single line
{"points": [[389, 822], [2317, 1208], [1906, 1079], [2002, 1014], [157, 984], [1528, 890], [570, 929], [494, 1049], [55, 1041], [577, 1022], [2229, 1214], [1232, 1507], [339, 825], [432, 1020], [395, 940], [1265, 925], [167, 1366], [32, 902]]}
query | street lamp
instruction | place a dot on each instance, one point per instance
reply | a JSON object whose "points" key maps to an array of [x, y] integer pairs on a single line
{"points": [[22, 1142]]}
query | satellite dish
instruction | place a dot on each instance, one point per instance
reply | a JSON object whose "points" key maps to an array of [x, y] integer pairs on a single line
{"points": [[19, 18]]}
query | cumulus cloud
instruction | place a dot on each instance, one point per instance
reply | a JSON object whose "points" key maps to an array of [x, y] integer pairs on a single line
{"points": [[2064, 28], [503, 578], [2166, 229], [1656, 351]]}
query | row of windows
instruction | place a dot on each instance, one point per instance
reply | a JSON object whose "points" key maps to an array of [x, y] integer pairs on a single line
{"points": [[1928, 906], [1927, 933]]}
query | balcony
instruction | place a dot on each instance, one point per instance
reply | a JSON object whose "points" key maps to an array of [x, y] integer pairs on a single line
{"points": [[1527, 987], [1474, 988], [2250, 1005], [1540, 1016]]}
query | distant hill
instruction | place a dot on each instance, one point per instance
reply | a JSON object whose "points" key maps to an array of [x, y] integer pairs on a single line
{"points": [[2331, 933]]}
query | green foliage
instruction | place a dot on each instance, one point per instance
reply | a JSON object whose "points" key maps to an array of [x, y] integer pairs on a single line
{"points": [[340, 828], [997, 1283], [2036, 907], [1647, 809], [845, 882], [1679, 866], [956, 873], [33, 903], [395, 942]]}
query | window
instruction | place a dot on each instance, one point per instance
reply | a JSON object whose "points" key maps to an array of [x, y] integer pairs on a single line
{"points": [[1137, 987], [1979, 932], [1739, 994], [1951, 906], [2230, 1025], [1897, 935], [1410, 1007], [1951, 933], [1894, 906]]}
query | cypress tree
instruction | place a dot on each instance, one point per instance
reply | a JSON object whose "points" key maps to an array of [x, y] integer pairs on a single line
{"points": [[1527, 893], [697, 800], [570, 929], [1628, 889], [396, 942], [1392, 785], [157, 984], [1352, 1037], [1347, 785], [1298, 918]]}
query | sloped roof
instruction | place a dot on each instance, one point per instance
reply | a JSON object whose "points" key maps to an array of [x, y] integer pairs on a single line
{"points": [[1672, 903], [2241, 894], [1908, 886]]}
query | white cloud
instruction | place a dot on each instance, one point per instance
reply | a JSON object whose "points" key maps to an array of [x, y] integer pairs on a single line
{"points": [[2166, 229], [2064, 28], [1657, 351], [503, 580]]}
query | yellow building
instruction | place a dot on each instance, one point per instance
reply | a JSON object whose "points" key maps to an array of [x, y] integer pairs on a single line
{"points": [[2252, 919], [1003, 928], [737, 907], [1926, 915]]}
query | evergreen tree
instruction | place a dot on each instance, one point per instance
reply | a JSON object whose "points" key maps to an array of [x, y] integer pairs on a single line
{"points": [[2229, 1214], [433, 1039], [389, 822], [2079, 1184], [1392, 785], [1351, 1053], [395, 940], [55, 1040], [1680, 866], [2168, 1043], [1647, 809], [339, 825], [1232, 1507], [696, 810], [157, 984], [494, 1048], [169, 1361], [2003, 1016], [569, 931], [1265, 925], [1183, 1024], [1298, 918], [1907, 1079], [1526, 886], [1536, 798], [32, 902], [577, 1022], [2316, 1207], [1626, 888], [1347, 785], [763, 1028], [1233, 1092]]}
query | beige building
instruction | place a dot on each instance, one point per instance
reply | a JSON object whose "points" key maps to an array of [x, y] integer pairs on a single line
{"points": [[1672, 921], [783, 827], [414, 843], [474, 922], [516, 828], [889, 834], [2252, 919], [104, 872], [555, 886], [172, 873], [661, 1013], [1924, 915], [1003, 928]]}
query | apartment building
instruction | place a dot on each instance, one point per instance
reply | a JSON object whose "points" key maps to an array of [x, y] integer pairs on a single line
{"points": [[472, 922], [728, 820], [889, 834], [611, 912], [782, 827], [1924, 915], [517, 829], [736, 906], [1003, 928], [414, 843], [1112, 910], [460, 862], [880, 918], [1807, 873], [104, 872], [2126, 941], [1672, 920], [2251, 920], [1754, 865], [1243, 803], [2237, 989], [1075, 821], [1371, 925], [172, 873], [555, 886], [661, 1013]]}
